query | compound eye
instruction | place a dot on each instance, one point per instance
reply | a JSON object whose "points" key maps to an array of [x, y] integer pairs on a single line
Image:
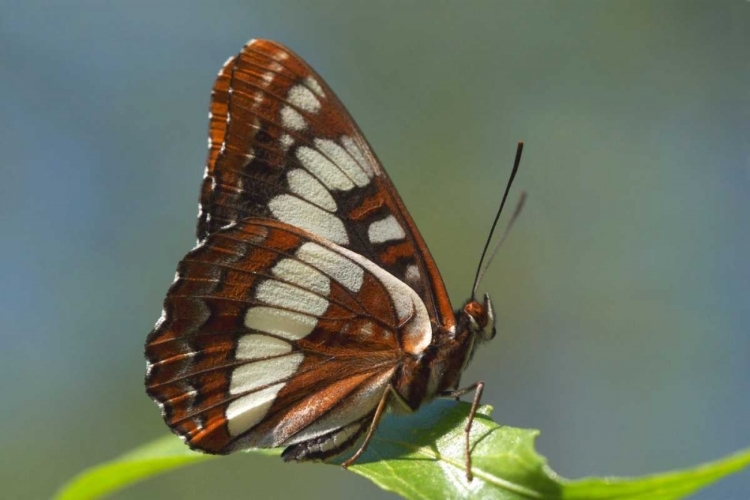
{"points": [[476, 314]]}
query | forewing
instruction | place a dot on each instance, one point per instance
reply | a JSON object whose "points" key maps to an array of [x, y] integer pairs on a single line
{"points": [[282, 146], [273, 336]]}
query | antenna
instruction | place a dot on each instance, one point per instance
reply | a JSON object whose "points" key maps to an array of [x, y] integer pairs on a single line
{"points": [[480, 273]]}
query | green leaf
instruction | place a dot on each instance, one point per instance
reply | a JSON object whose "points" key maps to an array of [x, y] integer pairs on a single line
{"points": [[159, 456], [422, 456]]}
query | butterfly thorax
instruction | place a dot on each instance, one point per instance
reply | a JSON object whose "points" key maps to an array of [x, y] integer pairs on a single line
{"points": [[438, 369]]}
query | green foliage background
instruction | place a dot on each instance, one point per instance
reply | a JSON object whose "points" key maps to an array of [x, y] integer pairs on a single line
{"points": [[621, 294]]}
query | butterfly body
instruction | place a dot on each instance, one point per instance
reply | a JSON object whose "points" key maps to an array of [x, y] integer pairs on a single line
{"points": [[311, 304]]}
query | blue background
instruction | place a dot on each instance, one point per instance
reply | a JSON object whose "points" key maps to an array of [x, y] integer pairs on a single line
{"points": [[622, 293]]}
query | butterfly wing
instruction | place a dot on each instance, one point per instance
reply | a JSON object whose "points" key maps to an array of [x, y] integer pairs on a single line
{"points": [[282, 146], [272, 336]]}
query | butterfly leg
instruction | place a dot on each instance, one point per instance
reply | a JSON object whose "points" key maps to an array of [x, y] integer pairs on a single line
{"points": [[379, 411], [477, 387]]}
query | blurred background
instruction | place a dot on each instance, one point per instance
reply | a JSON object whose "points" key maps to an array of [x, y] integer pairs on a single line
{"points": [[622, 293]]}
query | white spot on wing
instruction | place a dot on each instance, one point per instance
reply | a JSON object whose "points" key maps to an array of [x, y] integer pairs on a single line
{"points": [[356, 153], [254, 375], [303, 98], [385, 230], [286, 141], [291, 119], [255, 346], [343, 160], [299, 213], [279, 294], [286, 324], [412, 273], [335, 265], [314, 85], [302, 275], [247, 411], [190, 391], [305, 185], [161, 320], [198, 423], [325, 170]]}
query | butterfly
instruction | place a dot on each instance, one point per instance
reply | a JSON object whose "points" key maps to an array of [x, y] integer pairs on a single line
{"points": [[311, 304]]}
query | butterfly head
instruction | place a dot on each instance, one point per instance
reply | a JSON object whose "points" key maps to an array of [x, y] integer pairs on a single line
{"points": [[480, 317]]}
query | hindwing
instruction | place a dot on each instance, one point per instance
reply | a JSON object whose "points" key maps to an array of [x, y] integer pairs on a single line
{"points": [[273, 336]]}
